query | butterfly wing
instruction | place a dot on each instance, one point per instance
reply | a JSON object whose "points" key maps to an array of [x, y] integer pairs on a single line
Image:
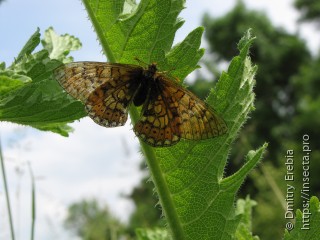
{"points": [[177, 113], [106, 89], [159, 124], [198, 120]]}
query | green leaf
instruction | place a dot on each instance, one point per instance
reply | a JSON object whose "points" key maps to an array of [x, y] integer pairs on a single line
{"points": [[8, 84], [244, 230], [59, 46], [31, 44], [197, 202], [30, 96], [183, 58], [40, 105], [145, 31], [152, 234], [307, 226]]}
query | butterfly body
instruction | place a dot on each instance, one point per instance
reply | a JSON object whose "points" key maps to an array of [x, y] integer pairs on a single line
{"points": [[169, 112], [146, 85]]}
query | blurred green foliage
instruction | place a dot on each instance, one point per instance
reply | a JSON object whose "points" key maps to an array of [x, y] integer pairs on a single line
{"points": [[147, 212], [310, 9], [278, 55], [287, 107], [91, 221]]}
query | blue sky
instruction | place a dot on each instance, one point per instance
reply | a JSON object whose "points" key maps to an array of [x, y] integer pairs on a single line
{"points": [[94, 161]]}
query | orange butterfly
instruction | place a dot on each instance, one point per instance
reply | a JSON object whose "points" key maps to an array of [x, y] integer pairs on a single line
{"points": [[169, 113]]}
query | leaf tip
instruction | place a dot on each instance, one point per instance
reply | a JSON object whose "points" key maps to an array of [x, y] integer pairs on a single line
{"points": [[246, 40]]}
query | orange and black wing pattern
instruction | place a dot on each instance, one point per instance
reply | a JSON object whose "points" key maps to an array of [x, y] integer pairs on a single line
{"points": [[170, 112], [160, 123], [177, 113], [104, 88]]}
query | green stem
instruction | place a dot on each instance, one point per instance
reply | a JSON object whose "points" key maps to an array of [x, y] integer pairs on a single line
{"points": [[6, 193], [33, 203], [160, 185], [99, 31], [275, 188]]}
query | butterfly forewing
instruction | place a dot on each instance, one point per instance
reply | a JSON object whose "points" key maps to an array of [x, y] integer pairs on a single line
{"points": [[106, 89]]}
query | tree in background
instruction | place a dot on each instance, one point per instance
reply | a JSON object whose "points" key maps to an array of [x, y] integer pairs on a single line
{"points": [[278, 55], [310, 9], [90, 221], [306, 84], [286, 108], [147, 212]]}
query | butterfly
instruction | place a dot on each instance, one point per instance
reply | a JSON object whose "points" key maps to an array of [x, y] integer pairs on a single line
{"points": [[169, 111]]}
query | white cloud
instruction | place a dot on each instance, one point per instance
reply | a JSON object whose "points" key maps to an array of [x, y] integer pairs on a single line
{"points": [[282, 13], [91, 163]]}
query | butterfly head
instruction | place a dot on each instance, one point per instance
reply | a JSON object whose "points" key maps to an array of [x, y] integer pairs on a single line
{"points": [[151, 70]]}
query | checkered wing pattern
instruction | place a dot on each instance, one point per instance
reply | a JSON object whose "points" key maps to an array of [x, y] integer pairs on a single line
{"points": [[170, 112], [159, 124], [177, 113], [104, 88]]}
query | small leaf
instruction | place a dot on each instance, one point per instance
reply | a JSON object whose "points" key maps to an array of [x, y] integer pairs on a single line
{"points": [[59, 46], [29, 47], [8, 84], [184, 56], [307, 226], [2, 66], [244, 230], [152, 234]]}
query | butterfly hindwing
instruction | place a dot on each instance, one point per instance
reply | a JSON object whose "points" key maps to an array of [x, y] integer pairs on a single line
{"points": [[176, 113], [159, 124], [109, 106], [198, 120]]}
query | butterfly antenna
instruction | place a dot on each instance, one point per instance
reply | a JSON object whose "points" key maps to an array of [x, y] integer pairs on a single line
{"points": [[140, 61], [170, 70]]}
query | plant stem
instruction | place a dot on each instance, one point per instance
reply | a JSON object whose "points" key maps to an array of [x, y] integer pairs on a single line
{"points": [[33, 203], [160, 185], [6, 193], [275, 188], [99, 31]]}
